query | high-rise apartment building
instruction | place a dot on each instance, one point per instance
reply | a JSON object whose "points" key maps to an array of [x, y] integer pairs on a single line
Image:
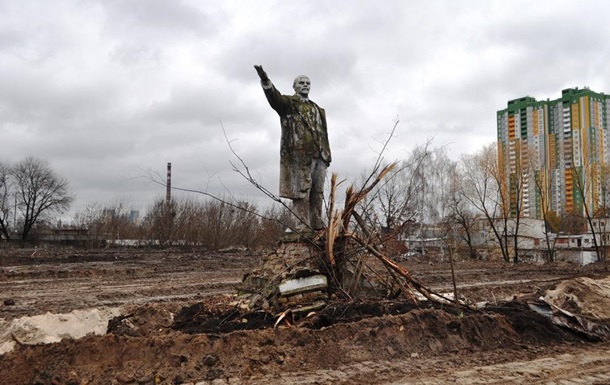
{"points": [[553, 154]]}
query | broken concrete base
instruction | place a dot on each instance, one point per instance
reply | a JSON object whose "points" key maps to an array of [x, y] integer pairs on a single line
{"points": [[290, 257], [290, 276], [290, 287]]}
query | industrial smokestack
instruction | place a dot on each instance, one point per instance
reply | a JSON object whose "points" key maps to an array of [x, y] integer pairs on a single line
{"points": [[168, 185]]}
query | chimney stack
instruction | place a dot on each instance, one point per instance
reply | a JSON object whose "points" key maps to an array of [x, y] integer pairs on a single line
{"points": [[168, 185]]}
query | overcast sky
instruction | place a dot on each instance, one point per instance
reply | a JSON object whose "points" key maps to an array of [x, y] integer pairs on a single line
{"points": [[109, 91]]}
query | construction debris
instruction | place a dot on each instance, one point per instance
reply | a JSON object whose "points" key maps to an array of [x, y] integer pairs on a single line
{"points": [[344, 260], [584, 296], [303, 285], [593, 330], [579, 304], [49, 328]]}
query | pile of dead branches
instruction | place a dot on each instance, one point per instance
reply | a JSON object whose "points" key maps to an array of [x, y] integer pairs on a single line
{"points": [[349, 243]]}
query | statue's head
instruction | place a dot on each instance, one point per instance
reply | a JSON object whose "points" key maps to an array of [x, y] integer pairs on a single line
{"points": [[301, 85]]}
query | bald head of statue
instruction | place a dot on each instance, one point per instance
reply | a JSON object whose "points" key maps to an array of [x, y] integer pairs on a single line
{"points": [[301, 86]]}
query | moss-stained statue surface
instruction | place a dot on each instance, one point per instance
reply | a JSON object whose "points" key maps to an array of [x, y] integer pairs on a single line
{"points": [[304, 148]]}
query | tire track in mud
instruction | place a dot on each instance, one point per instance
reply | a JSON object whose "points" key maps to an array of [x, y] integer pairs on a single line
{"points": [[579, 367], [591, 367], [65, 287]]}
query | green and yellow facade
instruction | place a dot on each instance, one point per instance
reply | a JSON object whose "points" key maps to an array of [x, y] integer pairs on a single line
{"points": [[552, 154]]}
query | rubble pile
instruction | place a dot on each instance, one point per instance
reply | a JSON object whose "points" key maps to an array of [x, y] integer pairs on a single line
{"points": [[290, 277]]}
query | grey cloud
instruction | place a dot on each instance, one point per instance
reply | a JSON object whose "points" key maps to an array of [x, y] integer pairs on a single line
{"points": [[10, 38], [136, 54], [206, 103], [156, 20], [284, 60]]}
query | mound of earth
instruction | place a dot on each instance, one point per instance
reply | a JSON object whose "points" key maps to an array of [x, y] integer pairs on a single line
{"points": [[583, 296], [204, 342]]}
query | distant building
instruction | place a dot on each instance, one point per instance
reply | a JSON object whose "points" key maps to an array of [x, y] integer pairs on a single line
{"points": [[554, 151], [531, 235], [60, 234], [134, 217]]}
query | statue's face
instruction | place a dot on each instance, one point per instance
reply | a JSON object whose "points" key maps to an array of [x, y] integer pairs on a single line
{"points": [[301, 85]]}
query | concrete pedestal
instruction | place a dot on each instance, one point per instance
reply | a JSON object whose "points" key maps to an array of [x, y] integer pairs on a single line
{"points": [[294, 265]]}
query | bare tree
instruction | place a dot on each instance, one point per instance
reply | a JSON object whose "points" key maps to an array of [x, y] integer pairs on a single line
{"points": [[226, 225], [461, 211], [397, 202], [5, 204], [274, 222], [480, 171], [439, 171], [584, 182], [107, 223], [602, 212], [161, 221], [187, 222], [512, 191], [90, 218], [543, 185], [40, 192]]}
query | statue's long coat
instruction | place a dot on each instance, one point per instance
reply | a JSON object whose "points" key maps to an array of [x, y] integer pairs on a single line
{"points": [[304, 137]]}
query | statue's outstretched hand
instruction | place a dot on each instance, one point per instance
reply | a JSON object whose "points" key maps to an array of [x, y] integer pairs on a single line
{"points": [[261, 73]]}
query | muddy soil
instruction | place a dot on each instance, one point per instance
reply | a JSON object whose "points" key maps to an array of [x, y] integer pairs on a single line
{"points": [[179, 326], [59, 281]]}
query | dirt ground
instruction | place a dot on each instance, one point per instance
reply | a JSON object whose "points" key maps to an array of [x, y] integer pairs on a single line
{"points": [[178, 325]]}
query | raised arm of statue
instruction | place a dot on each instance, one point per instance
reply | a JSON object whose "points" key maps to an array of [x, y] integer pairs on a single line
{"points": [[262, 74], [280, 103]]}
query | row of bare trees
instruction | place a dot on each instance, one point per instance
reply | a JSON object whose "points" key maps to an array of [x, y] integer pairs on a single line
{"points": [[212, 224], [469, 199], [428, 188], [586, 205], [463, 198]]}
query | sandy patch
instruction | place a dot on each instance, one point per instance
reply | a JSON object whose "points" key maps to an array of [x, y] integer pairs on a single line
{"points": [[48, 328]]}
